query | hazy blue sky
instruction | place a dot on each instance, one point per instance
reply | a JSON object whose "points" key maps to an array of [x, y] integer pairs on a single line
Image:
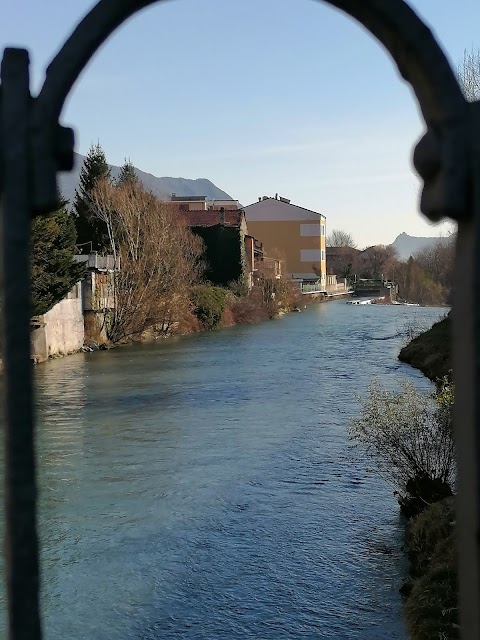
{"points": [[259, 96]]}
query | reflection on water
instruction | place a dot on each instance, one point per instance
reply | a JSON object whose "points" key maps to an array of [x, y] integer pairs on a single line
{"points": [[204, 487]]}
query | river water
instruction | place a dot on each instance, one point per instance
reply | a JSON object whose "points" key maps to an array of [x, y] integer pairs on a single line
{"points": [[204, 487]]}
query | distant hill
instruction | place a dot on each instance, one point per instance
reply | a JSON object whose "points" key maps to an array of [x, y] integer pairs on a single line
{"points": [[407, 246], [161, 187]]}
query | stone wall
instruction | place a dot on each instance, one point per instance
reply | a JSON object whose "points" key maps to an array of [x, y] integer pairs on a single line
{"points": [[61, 330]]}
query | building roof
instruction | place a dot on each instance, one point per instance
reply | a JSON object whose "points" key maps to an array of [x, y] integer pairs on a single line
{"points": [[210, 218], [280, 205]]}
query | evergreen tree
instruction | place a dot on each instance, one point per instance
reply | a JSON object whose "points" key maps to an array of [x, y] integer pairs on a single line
{"points": [[89, 228], [127, 174], [54, 272]]}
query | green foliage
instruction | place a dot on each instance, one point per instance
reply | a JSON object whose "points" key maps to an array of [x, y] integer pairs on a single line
{"points": [[127, 174], [53, 271], [238, 287], [409, 436], [431, 609], [209, 304], [223, 253], [90, 229]]}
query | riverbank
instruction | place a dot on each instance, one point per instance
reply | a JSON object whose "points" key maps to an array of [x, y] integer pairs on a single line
{"points": [[430, 352], [212, 308], [431, 598]]}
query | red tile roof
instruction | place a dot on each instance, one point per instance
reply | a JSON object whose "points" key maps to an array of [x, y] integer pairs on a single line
{"points": [[211, 218]]}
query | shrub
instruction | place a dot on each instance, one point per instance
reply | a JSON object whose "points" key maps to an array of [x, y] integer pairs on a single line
{"points": [[431, 609], [238, 287], [431, 527], [209, 304], [267, 297], [250, 308], [409, 435]]}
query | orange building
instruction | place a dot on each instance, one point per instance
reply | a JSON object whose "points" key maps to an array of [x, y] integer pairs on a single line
{"points": [[293, 234]]}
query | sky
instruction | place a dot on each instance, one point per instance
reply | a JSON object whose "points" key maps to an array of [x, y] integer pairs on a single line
{"points": [[259, 96]]}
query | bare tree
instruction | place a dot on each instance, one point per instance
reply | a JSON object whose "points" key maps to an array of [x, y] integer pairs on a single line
{"points": [[438, 261], [339, 238], [416, 285], [469, 74], [159, 258], [377, 261]]}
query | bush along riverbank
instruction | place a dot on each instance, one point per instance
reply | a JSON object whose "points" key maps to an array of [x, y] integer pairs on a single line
{"points": [[431, 594], [208, 307], [409, 435], [431, 598], [217, 307]]}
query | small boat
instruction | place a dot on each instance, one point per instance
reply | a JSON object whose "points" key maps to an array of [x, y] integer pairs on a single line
{"points": [[359, 302], [405, 304]]}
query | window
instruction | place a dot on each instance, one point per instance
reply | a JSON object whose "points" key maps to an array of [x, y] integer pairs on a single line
{"points": [[310, 230], [323, 254], [310, 255], [323, 230]]}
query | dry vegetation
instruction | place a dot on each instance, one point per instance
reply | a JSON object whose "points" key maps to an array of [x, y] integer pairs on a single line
{"points": [[431, 607], [409, 436], [160, 259]]}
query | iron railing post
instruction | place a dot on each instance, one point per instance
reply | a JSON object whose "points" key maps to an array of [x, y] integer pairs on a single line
{"points": [[465, 423], [21, 544], [466, 367]]}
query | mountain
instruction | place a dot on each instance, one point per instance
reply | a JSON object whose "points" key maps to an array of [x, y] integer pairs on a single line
{"points": [[407, 246], [161, 187]]}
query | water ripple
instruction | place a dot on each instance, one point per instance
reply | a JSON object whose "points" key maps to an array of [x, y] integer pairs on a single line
{"points": [[204, 488]]}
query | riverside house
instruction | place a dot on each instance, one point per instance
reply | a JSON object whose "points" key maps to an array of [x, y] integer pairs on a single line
{"points": [[294, 234], [232, 253], [222, 226]]}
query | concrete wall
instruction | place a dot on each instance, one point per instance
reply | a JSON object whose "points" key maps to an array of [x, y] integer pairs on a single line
{"points": [[335, 285], [61, 329]]}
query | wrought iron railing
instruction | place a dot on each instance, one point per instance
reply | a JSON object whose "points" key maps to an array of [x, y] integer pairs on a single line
{"points": [[34, 147]]}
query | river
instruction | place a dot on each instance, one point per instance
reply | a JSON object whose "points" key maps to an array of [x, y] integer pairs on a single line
{"points": [[204, 487]]}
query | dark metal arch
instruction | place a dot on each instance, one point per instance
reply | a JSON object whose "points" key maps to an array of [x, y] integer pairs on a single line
{"points": [[409, 41], [33, 147], [441, 159]]}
